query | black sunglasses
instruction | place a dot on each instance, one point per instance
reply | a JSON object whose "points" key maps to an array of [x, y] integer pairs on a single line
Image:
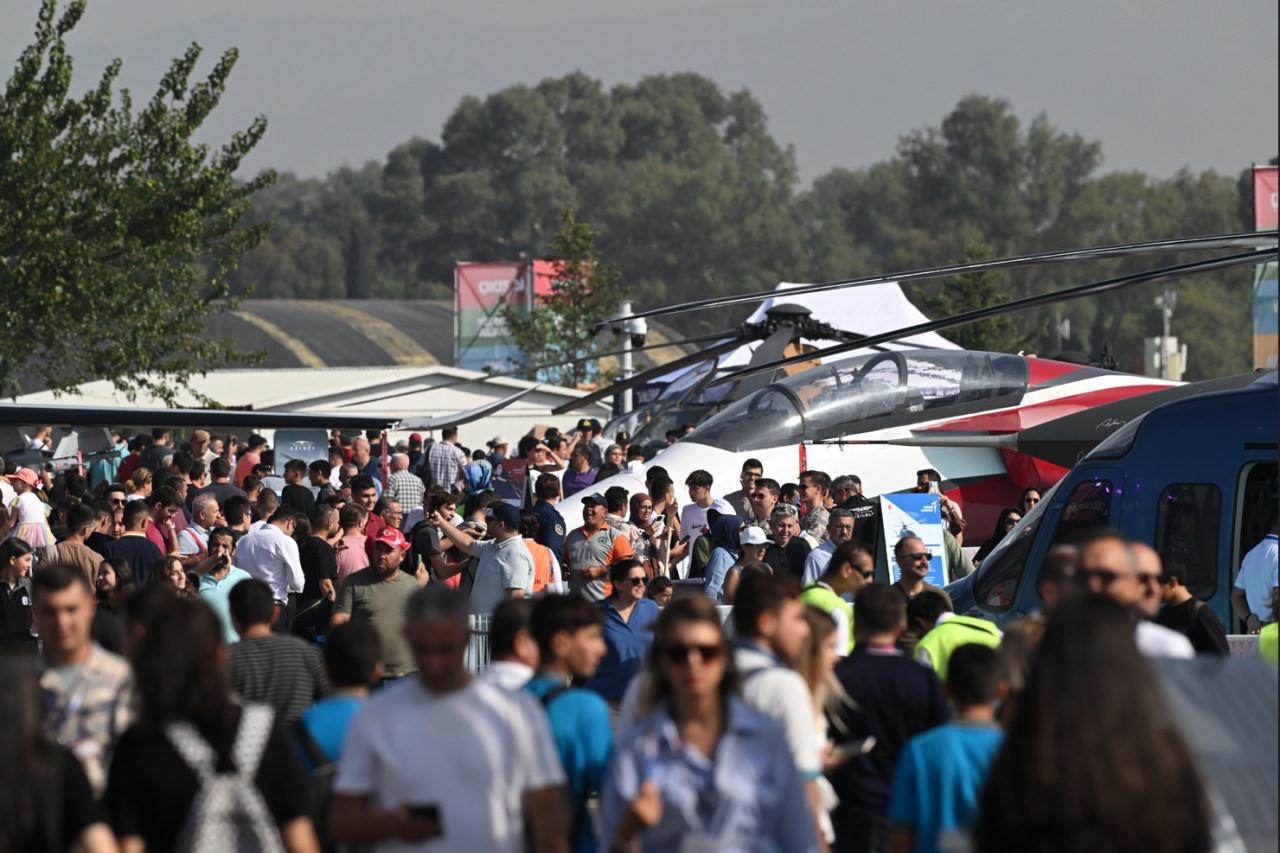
{"points": [[869, 574], [638, 581], [920, 555], [1107, 576], [679, 652]]}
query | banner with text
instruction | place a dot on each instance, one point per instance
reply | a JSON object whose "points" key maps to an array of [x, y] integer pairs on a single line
{"points": [[918, 514], [1266, 328]]}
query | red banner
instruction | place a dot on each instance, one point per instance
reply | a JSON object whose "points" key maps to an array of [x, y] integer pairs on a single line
{"points": [[1264, 197]]}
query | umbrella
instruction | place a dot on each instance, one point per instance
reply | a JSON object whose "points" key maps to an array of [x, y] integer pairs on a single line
{"points": [[1226, 710]]}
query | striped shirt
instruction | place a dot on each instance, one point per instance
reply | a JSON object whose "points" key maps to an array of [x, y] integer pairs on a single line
{"points": [[446, 461], [282, 671]]}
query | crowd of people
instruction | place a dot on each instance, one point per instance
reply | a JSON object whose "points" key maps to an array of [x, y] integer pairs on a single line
{"points": [[208, 650]]}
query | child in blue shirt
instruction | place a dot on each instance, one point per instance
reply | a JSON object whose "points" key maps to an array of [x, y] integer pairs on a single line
{"points": [[353, 660], [941, 772]]}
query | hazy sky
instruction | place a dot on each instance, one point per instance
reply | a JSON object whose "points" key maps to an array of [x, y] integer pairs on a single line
{"points": [[1161, 83]]}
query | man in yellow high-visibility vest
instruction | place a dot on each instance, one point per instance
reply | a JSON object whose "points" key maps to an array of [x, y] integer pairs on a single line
{"points": [[850, 569], [950, 630]]}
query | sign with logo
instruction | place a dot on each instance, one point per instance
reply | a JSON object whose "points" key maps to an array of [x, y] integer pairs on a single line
{"points": [[509, 480], [305, 444], [914, 514]]}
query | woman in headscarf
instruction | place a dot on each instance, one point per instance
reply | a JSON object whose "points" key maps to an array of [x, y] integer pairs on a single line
{"points": [[724, 553]]}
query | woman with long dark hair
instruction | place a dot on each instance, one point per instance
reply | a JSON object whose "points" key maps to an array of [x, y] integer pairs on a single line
{"points": [[46, 803], [15, 575], [114, 583], [1008, 518], [187, 708], [702, 769], [1091, 760], [169, 573]]}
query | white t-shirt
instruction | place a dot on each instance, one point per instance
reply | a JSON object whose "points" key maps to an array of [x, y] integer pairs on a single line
{"points": [[1258, 576], [473, 753], [500, 566], [693, 523], [779, 692], [1157, 641]]}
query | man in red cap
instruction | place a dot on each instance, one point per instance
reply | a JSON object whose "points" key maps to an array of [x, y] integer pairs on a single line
{"points": [[378, 595]]}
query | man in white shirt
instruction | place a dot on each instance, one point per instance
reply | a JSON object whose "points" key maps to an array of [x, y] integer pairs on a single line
{"points": [[839, 531], [1251, 596], [514, 653], [512, 791], [505, 566], [270, 554], [693, 515]]}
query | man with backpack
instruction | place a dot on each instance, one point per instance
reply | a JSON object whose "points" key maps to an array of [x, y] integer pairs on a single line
{"points": [[569, 633]]}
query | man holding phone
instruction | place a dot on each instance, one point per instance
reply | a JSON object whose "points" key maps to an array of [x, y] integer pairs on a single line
{"points": [[218, 576], [402, 782]]}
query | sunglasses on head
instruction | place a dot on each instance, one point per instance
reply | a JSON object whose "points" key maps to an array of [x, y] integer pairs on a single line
{"points": [[678, 653]]}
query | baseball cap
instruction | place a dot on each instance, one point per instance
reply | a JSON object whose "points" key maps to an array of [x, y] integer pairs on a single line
{"points": [[585, 423], [622, 436], [31, 478], [391, 537], [496, 441], [504, 512], [595, 498], [753, 536], [786, 509], [415, 438]]}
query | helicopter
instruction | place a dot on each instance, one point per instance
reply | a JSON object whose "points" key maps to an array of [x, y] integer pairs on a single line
{"points": [[872, 412]]}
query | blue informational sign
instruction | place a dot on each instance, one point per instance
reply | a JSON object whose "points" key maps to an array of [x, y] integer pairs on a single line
{"points": [[918, 514]]}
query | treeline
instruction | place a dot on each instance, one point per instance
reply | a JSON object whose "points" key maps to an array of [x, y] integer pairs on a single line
{"points": [[693, 196]]}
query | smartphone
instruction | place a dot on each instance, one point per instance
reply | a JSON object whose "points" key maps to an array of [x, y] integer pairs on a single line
{"points": [[684, 539], [429, 812]]}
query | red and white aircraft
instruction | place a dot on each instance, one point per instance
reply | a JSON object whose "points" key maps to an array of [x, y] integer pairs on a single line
{"points": [[886, 415]]}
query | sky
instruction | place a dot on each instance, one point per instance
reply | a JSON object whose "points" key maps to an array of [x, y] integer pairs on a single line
{"points": [[1162, 84]]}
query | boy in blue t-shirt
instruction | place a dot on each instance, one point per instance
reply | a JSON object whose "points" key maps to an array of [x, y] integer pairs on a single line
{"points": [[353, 660], [569, 633], [941, 772]]}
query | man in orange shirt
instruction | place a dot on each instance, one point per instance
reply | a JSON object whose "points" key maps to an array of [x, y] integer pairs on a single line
{"points": [[591, 549], [247, 460], [541, 553]]}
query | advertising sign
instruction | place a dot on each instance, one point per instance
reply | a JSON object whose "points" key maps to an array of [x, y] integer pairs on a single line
{"points": [[305, 444], [1266, 335], [481, 292], [918, 514], [509, 478]]}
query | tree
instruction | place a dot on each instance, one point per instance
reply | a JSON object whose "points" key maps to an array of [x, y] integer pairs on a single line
{"points": [[117, 233], [979, 290], [561, 325]]}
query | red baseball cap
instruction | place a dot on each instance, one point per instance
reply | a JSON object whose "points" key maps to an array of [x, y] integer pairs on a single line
{"points": [[391, 537]]}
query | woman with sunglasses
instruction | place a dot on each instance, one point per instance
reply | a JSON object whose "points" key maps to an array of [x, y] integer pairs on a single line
{"points": [[1008, 519], [628, 631], [702, 770], [1030, 497]]}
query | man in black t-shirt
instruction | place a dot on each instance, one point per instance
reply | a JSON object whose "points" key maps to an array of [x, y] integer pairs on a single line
{"points": [[295, 495], [1188, 615], [866, 511], [320, 568]]}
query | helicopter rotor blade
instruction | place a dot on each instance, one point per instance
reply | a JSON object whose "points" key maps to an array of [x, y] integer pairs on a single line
{"points": [[1090, 289], [771, 350], [651, 373], [1252, 239]]}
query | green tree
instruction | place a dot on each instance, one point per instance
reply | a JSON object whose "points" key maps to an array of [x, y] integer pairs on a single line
{"points": [[584, 291], [979, 290], [116, 231]]}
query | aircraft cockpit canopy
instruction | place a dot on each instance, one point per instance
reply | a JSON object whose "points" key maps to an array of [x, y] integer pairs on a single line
{"points": [[868, 393]]}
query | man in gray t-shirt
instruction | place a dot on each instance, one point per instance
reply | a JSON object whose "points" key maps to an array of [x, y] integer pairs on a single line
{"points": [[504, 566]]}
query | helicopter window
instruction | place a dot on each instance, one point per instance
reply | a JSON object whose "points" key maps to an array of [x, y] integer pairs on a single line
{"points": [[1187, 522], [995, 586], [1088, 508], [1255, 508], [869, 392]]}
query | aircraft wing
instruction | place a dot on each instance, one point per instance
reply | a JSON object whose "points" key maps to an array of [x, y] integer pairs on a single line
{"points": [[465, 417], [18, 414]]}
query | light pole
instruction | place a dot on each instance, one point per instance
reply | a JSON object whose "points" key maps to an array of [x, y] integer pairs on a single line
{"points": [[1165, 302], [633, 332]]}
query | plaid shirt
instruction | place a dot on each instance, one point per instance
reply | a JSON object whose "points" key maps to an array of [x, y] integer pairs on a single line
{"points": [[407, 488], [446, 461], [89, 710]]}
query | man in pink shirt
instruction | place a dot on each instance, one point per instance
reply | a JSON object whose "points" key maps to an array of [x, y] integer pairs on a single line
{"points": [[350, 548], [161, 530]]}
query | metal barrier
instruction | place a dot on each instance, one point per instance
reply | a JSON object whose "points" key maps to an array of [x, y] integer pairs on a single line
{"points": [[479, 652], [1243, 644]]}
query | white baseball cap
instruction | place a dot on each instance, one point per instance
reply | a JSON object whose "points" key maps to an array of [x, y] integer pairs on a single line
{"points": [[753, 536]]}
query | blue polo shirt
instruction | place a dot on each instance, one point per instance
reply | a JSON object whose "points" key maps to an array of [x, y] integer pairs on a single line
{"points": [[583, 734], [551, 528], [216, 593], [627, 643]]}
